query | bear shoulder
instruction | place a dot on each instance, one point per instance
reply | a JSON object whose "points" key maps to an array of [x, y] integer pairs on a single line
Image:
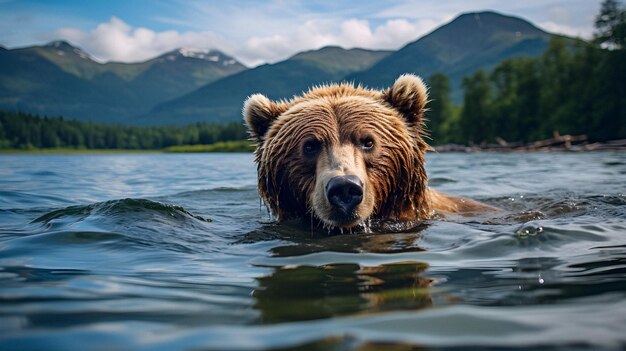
{"points": [[442, 204]]}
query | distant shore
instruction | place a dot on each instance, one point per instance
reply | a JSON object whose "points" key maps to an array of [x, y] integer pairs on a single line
{"points": [[224, 146], [576, 143], [565, 143], [61, 151], [242, 146]]}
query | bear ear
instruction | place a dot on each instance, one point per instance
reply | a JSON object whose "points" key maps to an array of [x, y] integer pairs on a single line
{"points": [[409, 95], [259, 113]]}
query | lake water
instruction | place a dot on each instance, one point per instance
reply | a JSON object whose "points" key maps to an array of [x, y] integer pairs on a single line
{"points": [[161, 252]]}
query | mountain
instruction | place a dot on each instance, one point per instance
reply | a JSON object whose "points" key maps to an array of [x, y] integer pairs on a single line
{"points": [[60, 79], [459, 48], [31, 82], [222, 100], [185, 86], [182, 71]]}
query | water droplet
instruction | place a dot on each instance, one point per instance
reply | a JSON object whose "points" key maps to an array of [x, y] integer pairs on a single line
{"points": [[366, 224], [527, 230]]}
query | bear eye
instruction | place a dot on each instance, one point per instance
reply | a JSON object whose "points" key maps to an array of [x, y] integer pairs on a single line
{"points": [[311, 147], [367, 143]]}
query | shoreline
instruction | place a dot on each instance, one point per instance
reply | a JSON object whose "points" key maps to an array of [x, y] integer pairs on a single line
{"points": [[437, 149], [452, 148], [565, 143], [108, 152], [62, 151], [238, 146], [560, 143]]}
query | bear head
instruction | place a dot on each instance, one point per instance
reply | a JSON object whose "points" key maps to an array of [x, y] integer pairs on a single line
{"points": [[341, 154]]}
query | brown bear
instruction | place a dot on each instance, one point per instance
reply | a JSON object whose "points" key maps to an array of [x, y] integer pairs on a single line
{"points": [[343, 155]]}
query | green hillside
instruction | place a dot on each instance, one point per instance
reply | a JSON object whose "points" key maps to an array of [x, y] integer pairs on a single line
{"points": [[173, 74], [470, 42], [59, 79], [222, 100], [31, 82]]}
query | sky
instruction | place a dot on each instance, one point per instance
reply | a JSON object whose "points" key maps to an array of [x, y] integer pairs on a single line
{"points": [[257, 32]]}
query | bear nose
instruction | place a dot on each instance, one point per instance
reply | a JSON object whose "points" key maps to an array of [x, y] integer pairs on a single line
{"points": [[344, 192]]}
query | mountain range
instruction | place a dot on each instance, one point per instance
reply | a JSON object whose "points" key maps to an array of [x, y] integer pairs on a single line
{"points": [[59, 79], [468, 43], [186, 86], [223, 100]]}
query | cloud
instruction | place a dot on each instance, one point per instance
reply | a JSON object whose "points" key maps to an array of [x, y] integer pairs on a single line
{"points": [[118, 41], [272, 48], [566, 30], [350, 33], [570, 17], [390, 35], [267, 32]]}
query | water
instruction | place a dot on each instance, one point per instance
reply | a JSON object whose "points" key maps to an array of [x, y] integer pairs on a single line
{"points": [[160, 252]]}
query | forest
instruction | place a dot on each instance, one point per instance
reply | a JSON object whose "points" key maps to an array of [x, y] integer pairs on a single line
{"points": [[576, 87], [26, 131], [573, 88]]}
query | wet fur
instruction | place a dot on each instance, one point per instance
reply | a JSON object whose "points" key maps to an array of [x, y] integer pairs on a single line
{"points": [[339, 116]]}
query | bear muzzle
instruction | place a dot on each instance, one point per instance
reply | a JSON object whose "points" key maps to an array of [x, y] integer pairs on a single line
{"points": [[344, 194]]}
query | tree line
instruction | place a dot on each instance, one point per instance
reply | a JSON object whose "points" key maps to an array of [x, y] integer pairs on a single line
{"points": [[27, 131], [575, 87]]}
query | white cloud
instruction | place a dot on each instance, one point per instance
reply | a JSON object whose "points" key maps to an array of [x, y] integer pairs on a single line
{"points": [[390, 35], [118, 41], [271, 31], [570, 17], [566, 30], [350, 33], [272, 48]]}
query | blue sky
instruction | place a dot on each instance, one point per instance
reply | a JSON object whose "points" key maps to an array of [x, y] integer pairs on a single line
{"points": [[258, 31]]}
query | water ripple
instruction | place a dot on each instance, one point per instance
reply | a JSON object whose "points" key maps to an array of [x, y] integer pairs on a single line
{"points": [[185, 256]]}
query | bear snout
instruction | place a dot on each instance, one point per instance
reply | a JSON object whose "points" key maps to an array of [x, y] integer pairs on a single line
{"points": [[345, 193]]}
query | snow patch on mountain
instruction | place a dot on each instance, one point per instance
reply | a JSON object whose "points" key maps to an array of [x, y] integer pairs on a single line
{"points": [[203, 54]]}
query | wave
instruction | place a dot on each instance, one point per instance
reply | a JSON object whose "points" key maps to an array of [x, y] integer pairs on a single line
{"points": [[522, 208], [121, 207], [133, 221]]}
